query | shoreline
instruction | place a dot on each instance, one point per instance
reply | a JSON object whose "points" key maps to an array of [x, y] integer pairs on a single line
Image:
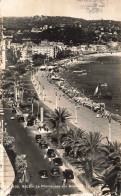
{"points": [[89, 59]]}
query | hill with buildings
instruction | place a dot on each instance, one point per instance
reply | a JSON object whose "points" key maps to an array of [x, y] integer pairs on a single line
{"points": [[71, 31]]}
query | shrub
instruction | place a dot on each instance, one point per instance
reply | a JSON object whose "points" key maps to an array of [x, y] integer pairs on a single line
{"points": [[8, 141]]}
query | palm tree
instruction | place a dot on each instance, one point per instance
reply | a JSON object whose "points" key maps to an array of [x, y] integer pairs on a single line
{"points": [[110, 157], [108, 180], [59, 120], [72, 139], [90, 146], [109, 153]]}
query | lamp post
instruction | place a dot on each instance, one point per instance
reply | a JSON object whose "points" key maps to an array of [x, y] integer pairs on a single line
{"points": [[109, 126], [56, 100], [32, 105], [76, 115], [41, 114], [43, 93], [39, 87], [119, 183]]}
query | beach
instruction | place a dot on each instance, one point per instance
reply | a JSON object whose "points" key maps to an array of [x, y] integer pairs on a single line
{"points": [[100, 68]]}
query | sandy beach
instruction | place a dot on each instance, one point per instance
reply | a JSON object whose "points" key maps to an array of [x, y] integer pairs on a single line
{"points": [[88, 58]]}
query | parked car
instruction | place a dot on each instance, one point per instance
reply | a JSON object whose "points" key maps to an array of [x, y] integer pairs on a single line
{"points": [[38, 138], [50, 153], [43, 174], [58, 161], [68, 174], [55, 172], [30, 123], [14, 111], [43, 145], [21, 119], [18, 116], [12, 118]]}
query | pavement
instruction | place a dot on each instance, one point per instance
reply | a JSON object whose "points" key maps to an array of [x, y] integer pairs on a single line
{"points": [[7, 174], [81, 116]]}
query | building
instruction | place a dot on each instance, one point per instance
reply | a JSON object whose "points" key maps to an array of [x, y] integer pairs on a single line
{"points": [[45, 49]]}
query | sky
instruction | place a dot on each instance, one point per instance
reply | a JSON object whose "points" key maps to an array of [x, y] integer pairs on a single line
{"points": [[87, 9]]}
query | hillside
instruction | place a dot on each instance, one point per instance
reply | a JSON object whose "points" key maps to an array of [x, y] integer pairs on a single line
{"points": [[37, 21], [69, 30]]}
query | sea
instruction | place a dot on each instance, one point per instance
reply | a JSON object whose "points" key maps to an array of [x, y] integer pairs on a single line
{"points": [[103, 70]]}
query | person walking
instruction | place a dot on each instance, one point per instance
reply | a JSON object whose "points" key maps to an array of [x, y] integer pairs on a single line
{"points": [[45, 156], [49, 159]]}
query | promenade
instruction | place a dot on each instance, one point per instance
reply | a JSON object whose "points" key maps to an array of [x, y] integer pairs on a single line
{"points": [[80, 116], [7, 174]]}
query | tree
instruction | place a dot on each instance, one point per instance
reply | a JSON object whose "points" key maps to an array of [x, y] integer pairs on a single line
{"points": [[90, 146], [8, 141], [20, 165], [72, 141], [108, 180], [110, 157], [109, 153], [38, 59], [59, 120]]}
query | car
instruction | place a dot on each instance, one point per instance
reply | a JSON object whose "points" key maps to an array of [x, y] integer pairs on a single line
{"points": [[50, 153], [38, 138], [58, 161], [20, 118], [68, 174], [43, 174], [97, 116], [30, 123], [13, 111], [12, 118], [55, 172], [43, 145]]}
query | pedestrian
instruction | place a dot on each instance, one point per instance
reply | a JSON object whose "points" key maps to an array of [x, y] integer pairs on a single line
{"points": [[49, 159], [64, 182], [45, 156]]}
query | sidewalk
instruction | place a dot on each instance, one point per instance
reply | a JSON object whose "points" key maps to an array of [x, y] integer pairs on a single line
{"points": [[7, 174]]}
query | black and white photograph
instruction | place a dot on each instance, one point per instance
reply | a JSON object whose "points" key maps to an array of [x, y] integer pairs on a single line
{"points": [[60, 98]]}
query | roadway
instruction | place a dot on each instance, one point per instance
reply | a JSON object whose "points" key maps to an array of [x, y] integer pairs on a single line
{"points": [[25, 144]]}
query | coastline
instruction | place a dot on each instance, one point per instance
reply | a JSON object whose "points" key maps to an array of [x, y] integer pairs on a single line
{"points": [[89, 58]]}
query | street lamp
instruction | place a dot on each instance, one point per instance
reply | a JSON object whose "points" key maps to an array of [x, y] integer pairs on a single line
{"points": [[56, 100], [76, 117], [39, 87], [32, 105], [109, 126], [119, 183], [43, 93]]}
